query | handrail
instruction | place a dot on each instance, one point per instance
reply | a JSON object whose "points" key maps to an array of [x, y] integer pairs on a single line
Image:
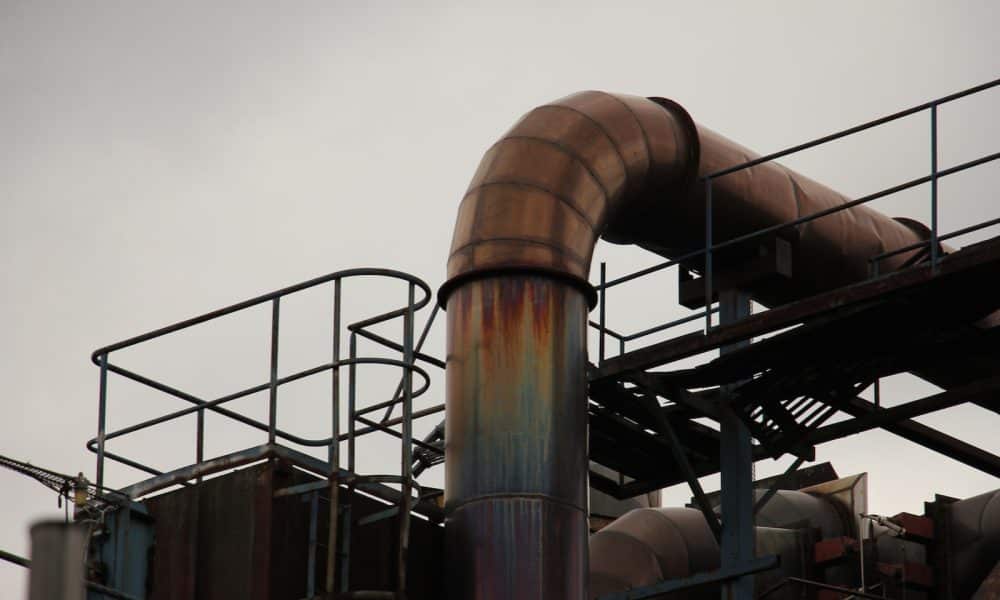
{"points": [[845, 592], [404, 396], [862, 200], [338, 275], [710, 247], [856, 129], [263, 387], [101, 358]]}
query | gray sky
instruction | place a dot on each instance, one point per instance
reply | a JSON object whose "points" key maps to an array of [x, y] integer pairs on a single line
{"points": [[160, 160]]}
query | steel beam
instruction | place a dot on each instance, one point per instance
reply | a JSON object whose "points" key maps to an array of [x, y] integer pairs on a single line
{"points": [[681, 459], [984, 390], [979, 261], [931, 439]]}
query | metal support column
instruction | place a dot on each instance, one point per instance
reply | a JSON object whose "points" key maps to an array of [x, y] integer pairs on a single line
{"points": [[333, 453], [736, 465]]}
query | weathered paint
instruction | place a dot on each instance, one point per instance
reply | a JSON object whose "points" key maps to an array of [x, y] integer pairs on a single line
{"points": [[516, 461]]}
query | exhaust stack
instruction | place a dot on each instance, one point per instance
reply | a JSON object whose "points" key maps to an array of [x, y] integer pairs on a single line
{"points": [[589, 165]]}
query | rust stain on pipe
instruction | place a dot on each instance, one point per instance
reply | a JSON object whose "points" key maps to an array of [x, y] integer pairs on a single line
{"points": [[589, 165], [515, 492], [551, 186]]}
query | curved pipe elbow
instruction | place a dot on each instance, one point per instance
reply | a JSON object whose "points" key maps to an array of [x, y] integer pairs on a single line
{"points": [[559, 179], [620, 167]]}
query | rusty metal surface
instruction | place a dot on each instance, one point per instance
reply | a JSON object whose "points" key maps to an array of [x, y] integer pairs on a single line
{"points": [[232, 536], [828, 252], [227, 538], [597, 164], [373, 546], [173, 570], [204, 531], [547, 190], [834, 549], [918, 527], [515, 469], [516, 547], [589, 165]]}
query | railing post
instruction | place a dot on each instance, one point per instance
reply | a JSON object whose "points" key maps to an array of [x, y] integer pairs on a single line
{"points": [[102, 409], [407, 450], [934, 189], [313, 544], [333, 455], [272, 413], [603, 313], [351, 399], [708, 254], [351, 462], [199, 449]]}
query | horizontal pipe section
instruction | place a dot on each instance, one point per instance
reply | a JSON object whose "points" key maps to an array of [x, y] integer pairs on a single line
{"points": [[826, 252]]}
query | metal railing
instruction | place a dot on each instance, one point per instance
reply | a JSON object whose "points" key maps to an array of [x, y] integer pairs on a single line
{"points": [[360, 420], [931, 246]]}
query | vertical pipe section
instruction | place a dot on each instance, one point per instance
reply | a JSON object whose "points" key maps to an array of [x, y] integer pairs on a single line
{"points": [[515, 484]]}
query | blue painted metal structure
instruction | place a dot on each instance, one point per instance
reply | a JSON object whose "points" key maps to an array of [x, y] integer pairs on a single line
{"points": [[122, 550]]}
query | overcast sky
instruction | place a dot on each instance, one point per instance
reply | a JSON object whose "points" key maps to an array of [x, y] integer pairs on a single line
{"points": [[159, 160]]}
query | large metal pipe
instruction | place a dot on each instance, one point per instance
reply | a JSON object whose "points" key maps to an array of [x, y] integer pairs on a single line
{"points": [[973, 527], [516, 496], [589, 165], [649, 545]]}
